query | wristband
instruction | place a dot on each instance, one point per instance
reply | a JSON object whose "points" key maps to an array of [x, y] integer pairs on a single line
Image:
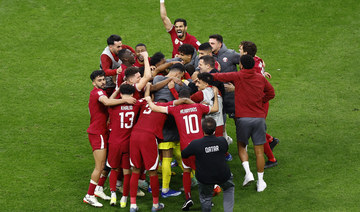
{"points": [[162, 1]]}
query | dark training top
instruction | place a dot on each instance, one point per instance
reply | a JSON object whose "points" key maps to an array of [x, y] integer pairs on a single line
{"points": [[209, 151]]}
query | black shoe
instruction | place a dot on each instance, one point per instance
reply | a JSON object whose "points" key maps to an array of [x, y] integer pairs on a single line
{"points": [[270, 164], [273, 143], [188, 203]]}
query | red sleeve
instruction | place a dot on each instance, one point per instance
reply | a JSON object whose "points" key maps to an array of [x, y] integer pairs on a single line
{"points": [[187, 75], [225, 77], [205, 108], [269, 91], [106, 65], [174, 93], [128, 47], [197, 97]]}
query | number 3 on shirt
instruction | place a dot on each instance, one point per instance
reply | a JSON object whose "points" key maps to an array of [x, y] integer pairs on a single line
{"points": [[130, 116], [189, 120]]}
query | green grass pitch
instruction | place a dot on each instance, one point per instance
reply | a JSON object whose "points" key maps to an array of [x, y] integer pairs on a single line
{"points": [[48, 49]]}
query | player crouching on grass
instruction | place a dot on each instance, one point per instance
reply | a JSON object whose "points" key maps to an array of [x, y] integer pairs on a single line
{"points": [[97, 131]]}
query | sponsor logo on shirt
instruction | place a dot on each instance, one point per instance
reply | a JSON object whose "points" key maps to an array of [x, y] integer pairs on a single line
{"points": [[188, 110], [210, 149]]}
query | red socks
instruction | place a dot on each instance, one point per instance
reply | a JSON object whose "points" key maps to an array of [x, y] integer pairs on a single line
{"points": [[187, 185], [112, 179], [268, 152], [126, 185], [92, 187], [102, 180], [134, 187], [154, 183]]}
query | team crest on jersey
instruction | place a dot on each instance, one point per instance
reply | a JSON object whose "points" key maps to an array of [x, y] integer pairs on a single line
{"points": [[225, 59], [176, 41], [100, 93]]}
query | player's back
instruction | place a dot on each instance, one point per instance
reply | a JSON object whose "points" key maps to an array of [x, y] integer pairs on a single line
{"points": [[188, 120], [150, 121], [122, 120]]}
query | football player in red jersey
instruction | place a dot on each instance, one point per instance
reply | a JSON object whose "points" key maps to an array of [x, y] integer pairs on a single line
{"points": [[188, 120], [248, 47], [177, 31], [97, 131]]}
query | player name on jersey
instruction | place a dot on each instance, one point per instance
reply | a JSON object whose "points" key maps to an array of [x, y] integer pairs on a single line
{"points": [[127, 107], [188, 110]]}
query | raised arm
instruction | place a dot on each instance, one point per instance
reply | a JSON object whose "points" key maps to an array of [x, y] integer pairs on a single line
{"points": [[215, 107], [147, 72], [155, 108], [166, 21]]}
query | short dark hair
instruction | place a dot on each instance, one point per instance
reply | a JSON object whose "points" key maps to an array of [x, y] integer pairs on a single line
{"points": [[180, 20], [247, 61], [186, 49], [127, 89], [112, 39], [208, 126], [206, 77], [121, 53], [217, 37], [205, 47], [131, 71], [140, 44], [184, 93], [157, 57], [249, 47], [208, 60], [177, 67], [190, 69], [96, 73]]}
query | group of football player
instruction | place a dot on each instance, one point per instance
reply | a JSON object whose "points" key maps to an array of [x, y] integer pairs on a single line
{"points": [[145, 110]]}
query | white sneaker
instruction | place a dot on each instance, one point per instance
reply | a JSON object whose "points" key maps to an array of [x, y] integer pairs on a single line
{"points": [[229, 140], [91, 200], [261, 185], [143, 185], [140, 193], [248, 179], [99, 192], [113, 201]]}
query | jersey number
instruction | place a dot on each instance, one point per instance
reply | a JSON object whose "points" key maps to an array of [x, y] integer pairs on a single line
{"points": [[189, 120], [147, 109], [130, 116]]}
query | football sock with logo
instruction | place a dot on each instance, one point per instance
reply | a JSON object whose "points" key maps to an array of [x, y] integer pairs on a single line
{"points": [[102, 180]]}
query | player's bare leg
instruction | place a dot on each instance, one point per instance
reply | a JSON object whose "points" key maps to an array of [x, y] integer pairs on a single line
{"points": [[244, 157], [260, 163], [99, 157]]}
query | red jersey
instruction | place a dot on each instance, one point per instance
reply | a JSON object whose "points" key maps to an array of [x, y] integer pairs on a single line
{"points": [[147, 119], [120, 77], [137, 64], [189, 39], [122, 120], [98, 112], [188, 120], [252, 91], [259, 65]]}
